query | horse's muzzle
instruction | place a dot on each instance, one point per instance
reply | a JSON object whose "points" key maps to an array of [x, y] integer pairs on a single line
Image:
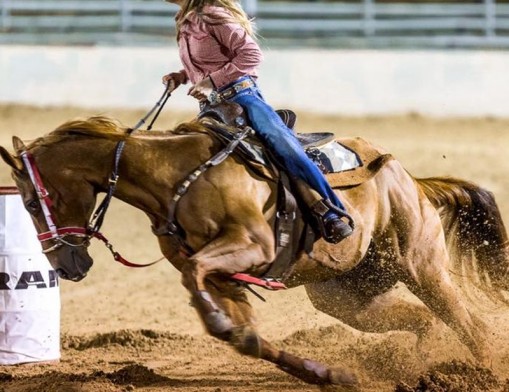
{"points": [[71, 263]]}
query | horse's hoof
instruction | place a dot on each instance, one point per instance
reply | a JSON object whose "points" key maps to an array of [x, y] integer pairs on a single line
{"points": [[246, 341], [327, 376], [344, 378]]}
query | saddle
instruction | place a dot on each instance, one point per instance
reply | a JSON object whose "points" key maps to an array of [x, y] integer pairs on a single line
{"points": [[321, 147], [233, 115], [293, 232]]}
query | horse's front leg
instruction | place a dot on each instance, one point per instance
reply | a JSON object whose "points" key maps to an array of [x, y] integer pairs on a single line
{"points": [[236, 250], [232, 303], [226, 313]]}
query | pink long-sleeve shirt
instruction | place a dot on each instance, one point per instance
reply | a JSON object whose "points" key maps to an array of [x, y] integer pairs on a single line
{"points": [[224, 52]]}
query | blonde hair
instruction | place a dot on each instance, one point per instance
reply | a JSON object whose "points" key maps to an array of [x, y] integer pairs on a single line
{"points": [[232, 6]]}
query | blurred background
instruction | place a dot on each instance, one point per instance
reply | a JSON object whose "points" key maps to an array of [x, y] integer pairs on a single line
{"points": [[440, 58], [353, 24]]}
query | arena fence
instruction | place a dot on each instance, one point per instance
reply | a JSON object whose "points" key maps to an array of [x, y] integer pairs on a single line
{"points": [[365, 23]]}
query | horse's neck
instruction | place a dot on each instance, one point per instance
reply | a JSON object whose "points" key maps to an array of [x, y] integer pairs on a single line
{"points": [[151, 169]]}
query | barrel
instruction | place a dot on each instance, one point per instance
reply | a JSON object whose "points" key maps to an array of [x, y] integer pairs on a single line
{"points": [[29, 290]]}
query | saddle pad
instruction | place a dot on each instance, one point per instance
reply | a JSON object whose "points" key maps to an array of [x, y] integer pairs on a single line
{"points": [[333, 157], [367, 160], [373, 158]]}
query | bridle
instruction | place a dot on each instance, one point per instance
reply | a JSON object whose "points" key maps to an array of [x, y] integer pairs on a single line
{"points": [[54, 233], [59, 234]]}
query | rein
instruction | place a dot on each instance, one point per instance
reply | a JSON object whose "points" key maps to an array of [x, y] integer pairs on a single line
{"points": [[99, 214]]}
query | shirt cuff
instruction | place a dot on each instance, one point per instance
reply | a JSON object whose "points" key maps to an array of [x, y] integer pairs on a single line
{"points": [[220, 78]]}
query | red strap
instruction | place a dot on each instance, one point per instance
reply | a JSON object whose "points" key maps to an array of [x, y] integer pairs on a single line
{"points": [[9, 190], [48, 235], [246, 278], [117, 255], [41, 190], [127, 263], [266, 284]]}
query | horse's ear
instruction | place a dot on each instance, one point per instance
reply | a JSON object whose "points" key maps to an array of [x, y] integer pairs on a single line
{"points": [[18, 145], [10, 159]]}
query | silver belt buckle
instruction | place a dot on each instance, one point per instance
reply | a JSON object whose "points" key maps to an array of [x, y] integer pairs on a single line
{"points": [[214, 98]]}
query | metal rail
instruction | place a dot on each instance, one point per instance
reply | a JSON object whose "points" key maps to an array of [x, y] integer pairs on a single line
{"points": [[367, 22]]}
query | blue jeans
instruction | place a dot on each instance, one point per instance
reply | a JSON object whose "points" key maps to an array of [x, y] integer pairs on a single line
{"points": [[283, 143]]}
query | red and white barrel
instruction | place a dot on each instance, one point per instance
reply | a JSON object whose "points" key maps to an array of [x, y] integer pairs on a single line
{"points": [[29, 290]]}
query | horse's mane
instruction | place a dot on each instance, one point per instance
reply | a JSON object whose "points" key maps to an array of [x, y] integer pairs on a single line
{"points": [[106, 128], [97, 126]]}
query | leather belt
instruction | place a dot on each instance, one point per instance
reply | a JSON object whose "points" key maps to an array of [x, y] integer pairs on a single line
{"points": [[218, 96]]}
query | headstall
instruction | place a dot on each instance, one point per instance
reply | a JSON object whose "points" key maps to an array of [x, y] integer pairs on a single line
{"points": [[59, 234]]}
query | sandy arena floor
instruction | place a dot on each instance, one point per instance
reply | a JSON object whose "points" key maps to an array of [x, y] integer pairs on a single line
{"points": [[126, 330]]}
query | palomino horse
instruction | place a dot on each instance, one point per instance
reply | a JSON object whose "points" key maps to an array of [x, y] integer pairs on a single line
{"points": [[227, 218]]}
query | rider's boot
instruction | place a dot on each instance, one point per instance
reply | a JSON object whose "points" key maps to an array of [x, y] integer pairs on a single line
{"points": [[334, 224]]}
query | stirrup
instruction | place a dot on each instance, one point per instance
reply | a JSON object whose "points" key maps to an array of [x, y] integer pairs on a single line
{"points": [[320, 209]]}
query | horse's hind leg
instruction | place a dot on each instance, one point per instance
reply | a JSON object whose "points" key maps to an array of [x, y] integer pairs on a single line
{"points": [[367, 298], [427, 276], [433, 286], [380, 312]]}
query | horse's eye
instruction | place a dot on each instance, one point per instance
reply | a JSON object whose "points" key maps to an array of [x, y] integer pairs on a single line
{"points": [[33, 206]]}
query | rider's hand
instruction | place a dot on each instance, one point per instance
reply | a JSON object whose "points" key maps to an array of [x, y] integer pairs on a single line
{"points": [[202, 89], [173, 80]]}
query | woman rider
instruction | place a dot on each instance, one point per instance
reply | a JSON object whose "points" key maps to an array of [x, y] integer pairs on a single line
{"points": [[220, 55]]}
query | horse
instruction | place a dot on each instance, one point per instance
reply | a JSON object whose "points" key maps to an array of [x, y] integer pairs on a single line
{"points": [[226, 219]]}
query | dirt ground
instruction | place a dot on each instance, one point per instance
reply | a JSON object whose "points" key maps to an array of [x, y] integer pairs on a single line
{"points": [[133, 330]]}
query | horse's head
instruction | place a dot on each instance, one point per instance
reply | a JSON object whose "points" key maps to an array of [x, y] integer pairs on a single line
{"points": [[60, 217]]}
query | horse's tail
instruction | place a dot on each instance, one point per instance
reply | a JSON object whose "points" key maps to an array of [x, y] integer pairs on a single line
{"points": [[475, 233]]}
